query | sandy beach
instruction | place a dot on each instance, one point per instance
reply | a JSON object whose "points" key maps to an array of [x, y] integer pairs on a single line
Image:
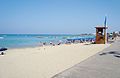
{"points": [[46, 61]]}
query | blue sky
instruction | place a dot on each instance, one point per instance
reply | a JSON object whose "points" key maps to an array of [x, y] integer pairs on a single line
{"points": [[57, 16]]}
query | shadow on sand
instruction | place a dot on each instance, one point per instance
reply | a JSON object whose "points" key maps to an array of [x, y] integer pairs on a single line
{"points": [[114, 53]]}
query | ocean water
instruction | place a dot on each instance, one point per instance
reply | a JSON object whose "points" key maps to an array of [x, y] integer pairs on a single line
{"points": [[30, 40]]}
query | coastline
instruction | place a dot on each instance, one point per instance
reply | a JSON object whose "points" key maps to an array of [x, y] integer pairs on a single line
{"points": [[33, 40], [46, 61]]}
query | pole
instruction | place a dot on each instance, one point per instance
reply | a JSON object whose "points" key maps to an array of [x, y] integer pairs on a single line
{"points": [[105, 35]]}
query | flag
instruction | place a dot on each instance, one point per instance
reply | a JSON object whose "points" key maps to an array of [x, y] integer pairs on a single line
{"points": [[105, 21]]}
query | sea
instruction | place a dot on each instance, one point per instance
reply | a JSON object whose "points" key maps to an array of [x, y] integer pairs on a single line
{"points": [[33, 40]]}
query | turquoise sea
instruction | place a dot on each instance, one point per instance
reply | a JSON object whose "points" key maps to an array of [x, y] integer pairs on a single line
{"points": [[30, 40]]}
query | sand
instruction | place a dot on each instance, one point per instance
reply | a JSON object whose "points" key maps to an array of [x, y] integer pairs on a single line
{"points": [[44, 62]]}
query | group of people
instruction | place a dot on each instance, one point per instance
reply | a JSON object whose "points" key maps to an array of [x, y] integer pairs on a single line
{"points": [[50, 43], [81, 41], [67, 42]]}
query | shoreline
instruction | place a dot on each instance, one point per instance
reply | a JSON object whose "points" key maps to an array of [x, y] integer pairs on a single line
{"points": [[23, 40], [24, 47]]}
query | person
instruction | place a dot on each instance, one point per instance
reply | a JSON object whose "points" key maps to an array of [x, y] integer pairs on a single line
{"points": [[44, 43], [59, 43], [51, 43]]}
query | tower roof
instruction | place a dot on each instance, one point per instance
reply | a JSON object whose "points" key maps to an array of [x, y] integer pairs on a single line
{"points": [[102, 27]]}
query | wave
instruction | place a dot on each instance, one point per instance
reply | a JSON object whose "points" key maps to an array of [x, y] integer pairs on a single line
{"points": [[1, 37]]}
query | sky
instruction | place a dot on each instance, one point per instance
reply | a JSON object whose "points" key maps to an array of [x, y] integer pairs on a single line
{"points": [[57, 16]]}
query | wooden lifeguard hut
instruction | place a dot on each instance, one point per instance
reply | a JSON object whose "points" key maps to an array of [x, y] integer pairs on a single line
{"points": [[101, 36]]}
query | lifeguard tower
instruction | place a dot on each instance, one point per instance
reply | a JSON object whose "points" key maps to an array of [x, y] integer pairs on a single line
{"points": [[101, 36]]}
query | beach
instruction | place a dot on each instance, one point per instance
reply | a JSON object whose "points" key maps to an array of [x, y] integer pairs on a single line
{"points": [[46, 61]]}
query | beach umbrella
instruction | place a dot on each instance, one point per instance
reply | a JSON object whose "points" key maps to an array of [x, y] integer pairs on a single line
{"points": [[3, 49]]}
